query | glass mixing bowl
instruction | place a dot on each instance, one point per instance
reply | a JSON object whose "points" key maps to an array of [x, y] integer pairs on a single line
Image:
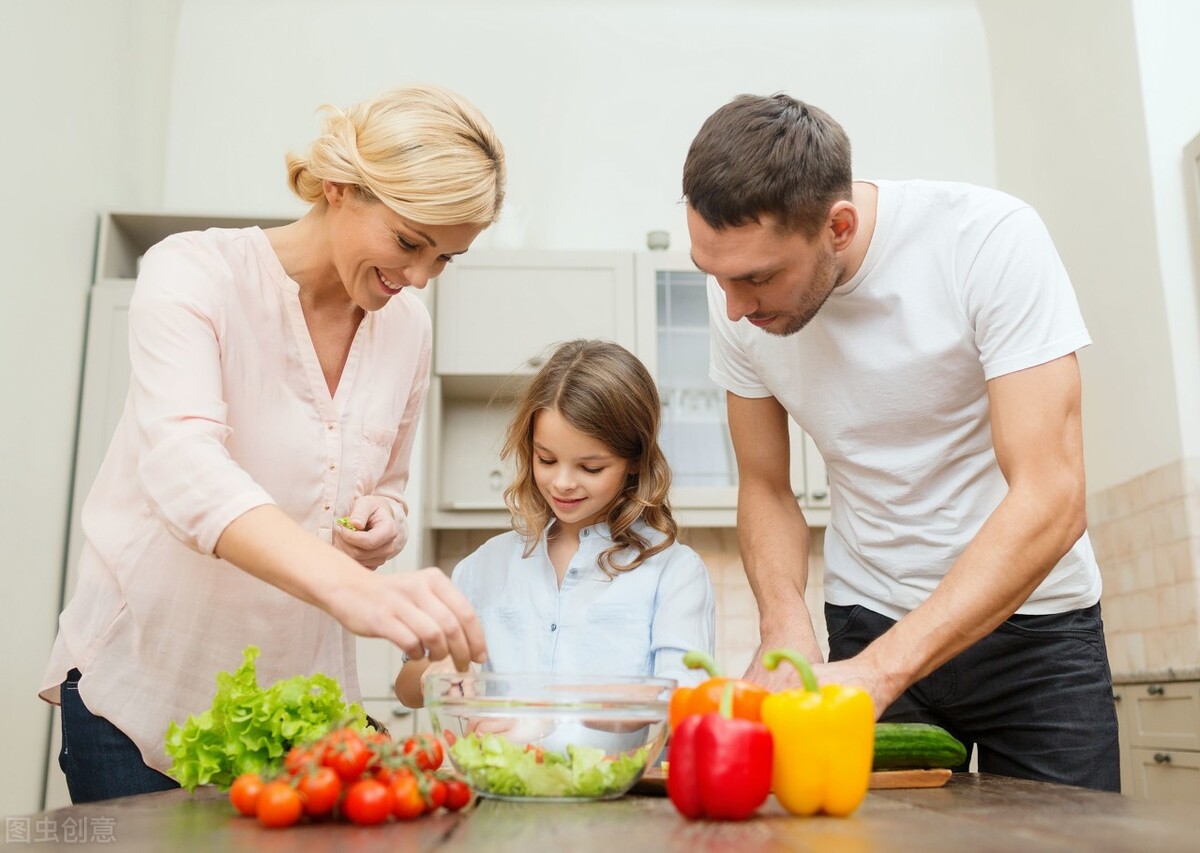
{"points": [[549, 737]]}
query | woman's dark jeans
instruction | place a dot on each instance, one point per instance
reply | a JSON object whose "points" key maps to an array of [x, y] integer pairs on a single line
{"points": [[1035, 696], [99, 760]]}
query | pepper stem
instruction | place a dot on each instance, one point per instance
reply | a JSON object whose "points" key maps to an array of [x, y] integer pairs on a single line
{"points": [[726, 707], [700, 660], [772, 658]]}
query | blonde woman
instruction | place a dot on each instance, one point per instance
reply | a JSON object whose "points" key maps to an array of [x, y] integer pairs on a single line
{"points": [[277, 379]]}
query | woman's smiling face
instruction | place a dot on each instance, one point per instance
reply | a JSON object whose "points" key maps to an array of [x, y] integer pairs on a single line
{"points": [[377, 252]]}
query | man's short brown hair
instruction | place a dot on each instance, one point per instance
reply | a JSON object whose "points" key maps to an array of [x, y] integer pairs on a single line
{"points": [[768, 155]]}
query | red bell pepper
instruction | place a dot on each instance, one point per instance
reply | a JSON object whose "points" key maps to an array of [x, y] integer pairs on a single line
{"points": [[718, 766]]}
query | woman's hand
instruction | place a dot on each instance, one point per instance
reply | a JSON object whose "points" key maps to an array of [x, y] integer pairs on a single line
{"points": [[378, 535], [422, 612]]}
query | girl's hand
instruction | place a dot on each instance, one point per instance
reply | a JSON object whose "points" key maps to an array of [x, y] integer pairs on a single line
{"points": [[377, 535], [419, 611]]}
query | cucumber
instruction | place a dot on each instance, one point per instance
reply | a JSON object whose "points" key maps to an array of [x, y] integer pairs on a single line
{"points": [[910, 746]]}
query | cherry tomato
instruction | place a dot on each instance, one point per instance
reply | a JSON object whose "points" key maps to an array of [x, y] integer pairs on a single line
{"points": [[407, 802], [244, 793], [279, 805], [348, 756], [425, 750], [435, 796], [368, 802], [387, 773], [300, 759], [379, 738], [458, 794], [539, 754], [320, 791]]}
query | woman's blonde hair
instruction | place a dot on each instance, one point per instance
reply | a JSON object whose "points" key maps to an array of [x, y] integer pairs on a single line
{"points": [[604, 391], [425, 152]]}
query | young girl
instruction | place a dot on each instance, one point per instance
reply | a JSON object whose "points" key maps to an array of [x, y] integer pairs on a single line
{"points": [[592, 579]]}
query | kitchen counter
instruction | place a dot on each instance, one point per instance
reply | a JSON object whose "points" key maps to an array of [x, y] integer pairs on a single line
{"points": [[1182, 673], [972, 812]]}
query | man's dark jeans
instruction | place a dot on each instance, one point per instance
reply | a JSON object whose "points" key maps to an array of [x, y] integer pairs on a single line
{"points": [[99, 760], [1034, 696]]}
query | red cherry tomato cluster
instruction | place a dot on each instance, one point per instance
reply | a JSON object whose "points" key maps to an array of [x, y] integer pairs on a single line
{"points": [[363, 779]]}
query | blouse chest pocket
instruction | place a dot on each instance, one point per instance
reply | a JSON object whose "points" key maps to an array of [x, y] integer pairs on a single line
{"points": [[373, 454]]}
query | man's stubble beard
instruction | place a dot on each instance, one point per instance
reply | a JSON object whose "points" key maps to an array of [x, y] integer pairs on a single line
{"points": [[827, 276]]}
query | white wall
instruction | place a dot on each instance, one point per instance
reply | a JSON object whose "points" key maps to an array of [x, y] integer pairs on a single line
{"points": [[85, 86], [1071, 139], [596, 102], [1167, 32]]}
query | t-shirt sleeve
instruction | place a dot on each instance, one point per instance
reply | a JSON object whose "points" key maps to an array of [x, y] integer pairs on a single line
{"points": [[728, 364], [1019, 299], [684, 616], [185, 471]]}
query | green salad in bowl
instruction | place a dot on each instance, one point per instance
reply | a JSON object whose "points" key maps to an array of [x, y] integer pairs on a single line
{"points": [[545, 737]]}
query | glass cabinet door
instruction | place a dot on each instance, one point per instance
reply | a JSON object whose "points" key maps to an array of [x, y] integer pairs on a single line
{"points": [[695, 432]]}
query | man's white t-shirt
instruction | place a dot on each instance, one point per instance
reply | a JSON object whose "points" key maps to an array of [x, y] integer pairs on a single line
{"points": [[959, 285]]}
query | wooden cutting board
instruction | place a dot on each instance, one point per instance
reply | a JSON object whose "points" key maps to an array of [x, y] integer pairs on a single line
{"points": [[654, 782]]}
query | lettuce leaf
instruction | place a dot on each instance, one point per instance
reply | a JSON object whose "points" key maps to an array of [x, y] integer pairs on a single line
{"points": [[494, 764], [249, 729]]}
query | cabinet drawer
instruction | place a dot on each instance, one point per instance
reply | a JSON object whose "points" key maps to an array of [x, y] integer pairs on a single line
{"points": [[1163, 715], [1166, 775]]}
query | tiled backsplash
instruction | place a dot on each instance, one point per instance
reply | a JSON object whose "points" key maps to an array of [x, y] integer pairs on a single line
{"points": [[737, 613], [1146, 534]]}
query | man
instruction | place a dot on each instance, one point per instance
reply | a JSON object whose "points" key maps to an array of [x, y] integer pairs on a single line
{"points": [[924, 335]]}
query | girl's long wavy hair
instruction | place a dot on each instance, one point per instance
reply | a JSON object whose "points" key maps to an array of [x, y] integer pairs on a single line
{"points": [[605, 392]]}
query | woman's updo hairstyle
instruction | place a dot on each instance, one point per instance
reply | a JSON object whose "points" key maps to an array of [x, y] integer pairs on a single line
{"points": [[425, 152]]}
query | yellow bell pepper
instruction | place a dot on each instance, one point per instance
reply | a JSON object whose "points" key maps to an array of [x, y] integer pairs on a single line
{"points": [[824, 740]]}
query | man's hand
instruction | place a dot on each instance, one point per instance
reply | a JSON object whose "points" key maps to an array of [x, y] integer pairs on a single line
{"points": [[377, 535], [784, 677], [856, 672]]}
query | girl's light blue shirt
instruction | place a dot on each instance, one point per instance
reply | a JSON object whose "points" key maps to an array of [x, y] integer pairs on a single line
{"points": [[639, 622]]}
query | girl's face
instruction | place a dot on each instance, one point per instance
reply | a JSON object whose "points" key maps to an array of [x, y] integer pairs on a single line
{"points": [[578, 475], [377, 252]]}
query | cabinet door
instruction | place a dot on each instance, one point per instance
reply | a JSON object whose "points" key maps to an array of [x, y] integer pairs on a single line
{"points": [[1166, 775], [1164, 715], [498, 312], [674, 341]]}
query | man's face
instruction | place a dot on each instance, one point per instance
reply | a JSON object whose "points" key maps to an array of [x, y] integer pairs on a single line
{"points": [[777, 279]]}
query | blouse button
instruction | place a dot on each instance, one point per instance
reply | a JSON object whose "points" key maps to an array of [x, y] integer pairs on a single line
{"points": [[332, 467], [327, 507], [553, 626], [586, 532]]}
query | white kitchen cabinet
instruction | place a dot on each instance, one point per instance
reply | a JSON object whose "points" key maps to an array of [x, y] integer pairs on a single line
{"points": [[498, 312], [548, 297], [1160, 740]]}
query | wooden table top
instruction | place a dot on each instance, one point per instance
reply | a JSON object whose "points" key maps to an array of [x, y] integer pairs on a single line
{"points": [[973, 812]]}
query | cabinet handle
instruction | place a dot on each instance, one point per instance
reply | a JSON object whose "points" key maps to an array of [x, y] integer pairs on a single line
{"points": [[1162, 758], [536, 361], [496, 479], [1116, 697], [820, 495], [399, 711], [1155, 690]]}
